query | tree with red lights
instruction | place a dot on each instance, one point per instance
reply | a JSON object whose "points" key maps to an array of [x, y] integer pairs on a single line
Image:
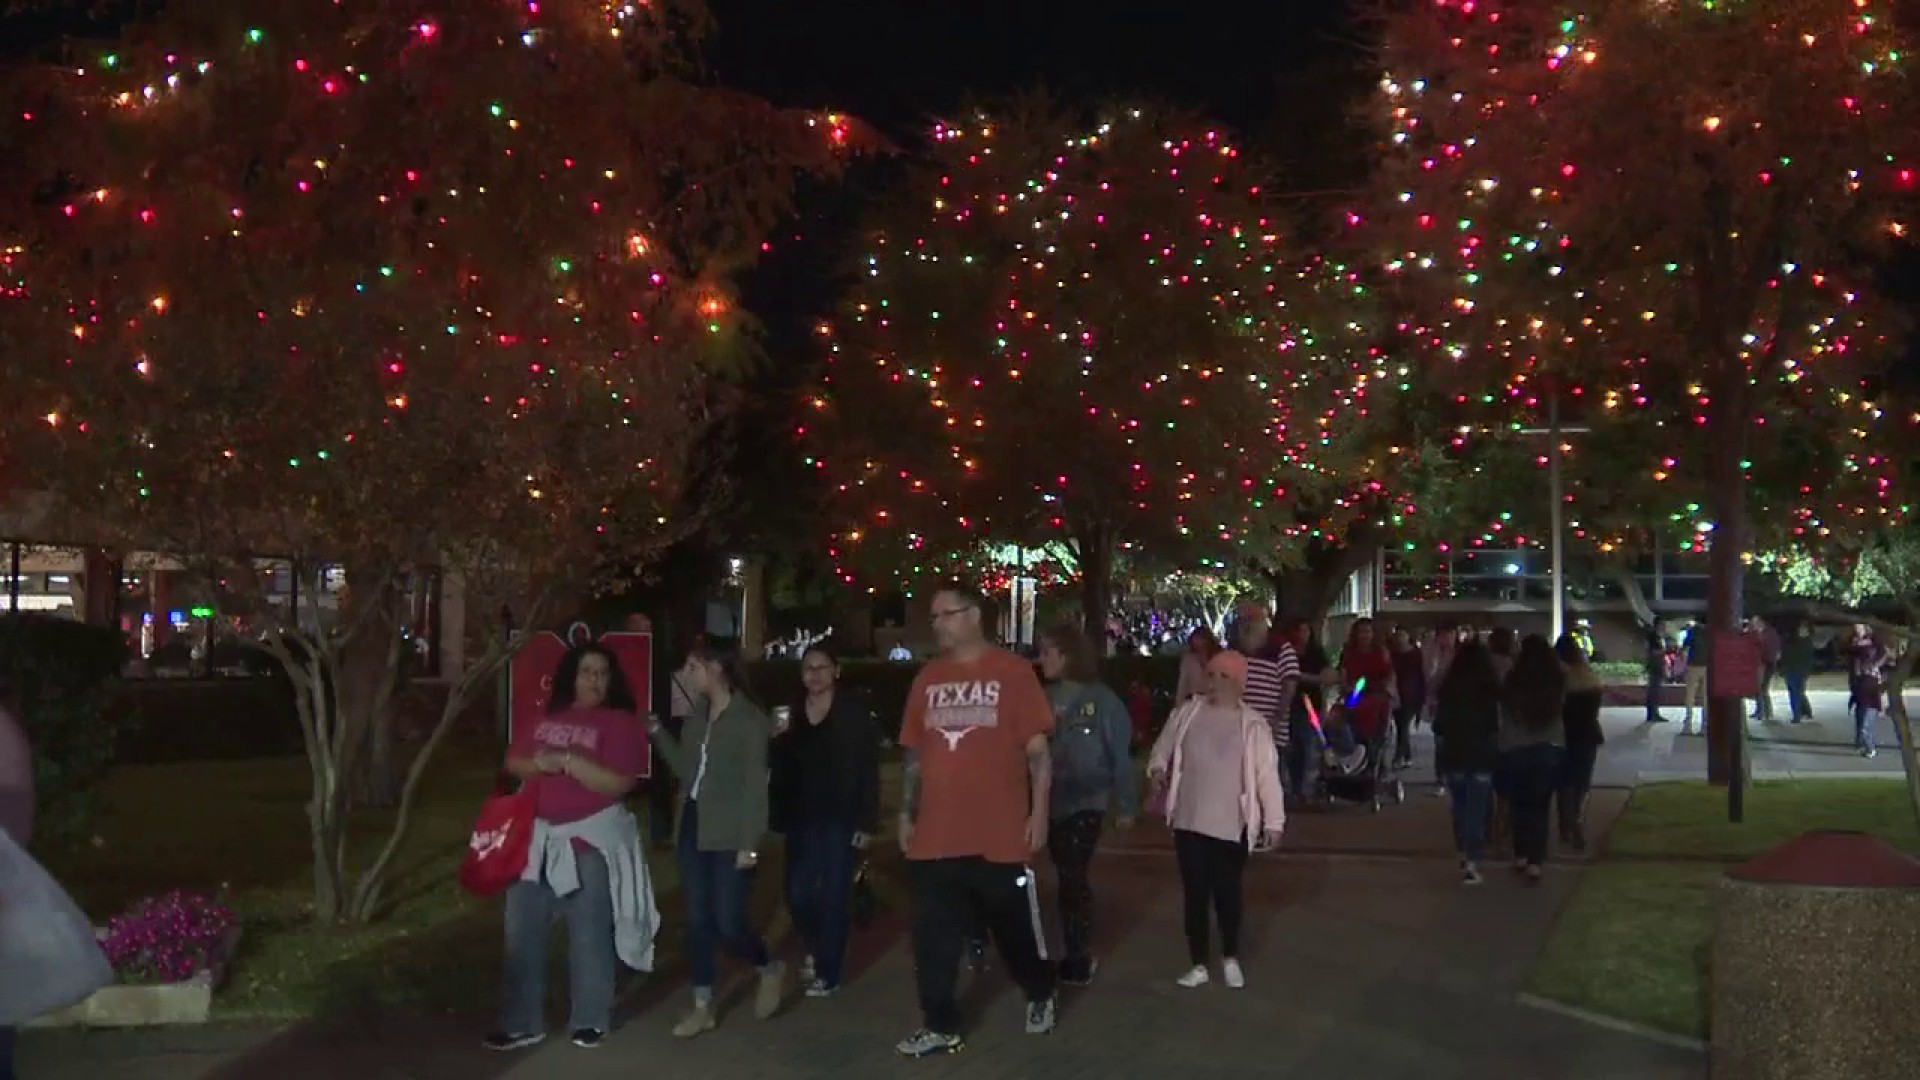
{"points": [[364, 285], [1672, 212], [1063, 337]]}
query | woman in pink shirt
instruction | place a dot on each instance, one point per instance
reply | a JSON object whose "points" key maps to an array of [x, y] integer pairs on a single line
{"points": [[1217, 765], [579, 759]]}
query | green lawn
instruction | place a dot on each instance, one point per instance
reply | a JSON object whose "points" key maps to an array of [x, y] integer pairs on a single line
{"points": [[239, 828], [1633, 940]]}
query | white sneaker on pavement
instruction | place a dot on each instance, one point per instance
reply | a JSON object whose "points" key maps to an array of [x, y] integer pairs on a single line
{"points": [[1195, 977], [1236, 979]]}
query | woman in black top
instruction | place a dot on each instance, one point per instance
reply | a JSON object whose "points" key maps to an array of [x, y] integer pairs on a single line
{"points": [[1466, 728], [825, 796], [1580, 714], [1532, 741]]}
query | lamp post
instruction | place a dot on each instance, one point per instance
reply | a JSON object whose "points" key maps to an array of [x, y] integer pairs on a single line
{"points": [[1556, 517]]}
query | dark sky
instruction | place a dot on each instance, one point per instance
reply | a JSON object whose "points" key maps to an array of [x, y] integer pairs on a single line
{"points": [[899, 61]]}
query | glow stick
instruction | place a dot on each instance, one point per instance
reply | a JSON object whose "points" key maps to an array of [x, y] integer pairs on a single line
{"points": [[1359, 687], [1313, 717]]}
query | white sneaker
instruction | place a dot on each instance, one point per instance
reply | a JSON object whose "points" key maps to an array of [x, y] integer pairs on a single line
{"points": [[1195, 977], [1236, 979]]}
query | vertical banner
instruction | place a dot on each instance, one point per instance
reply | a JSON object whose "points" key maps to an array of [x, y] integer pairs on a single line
{"points": [[530, 675]]}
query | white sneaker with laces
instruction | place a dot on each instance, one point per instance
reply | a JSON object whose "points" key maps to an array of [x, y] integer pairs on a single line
{"points": [[1236, 979], [1195, 977]]}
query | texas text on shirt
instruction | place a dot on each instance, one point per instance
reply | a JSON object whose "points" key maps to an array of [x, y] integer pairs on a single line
{"points": [[971, 723]]}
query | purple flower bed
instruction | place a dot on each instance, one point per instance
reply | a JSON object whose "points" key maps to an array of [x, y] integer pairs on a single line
{"points": [[168, 939]]}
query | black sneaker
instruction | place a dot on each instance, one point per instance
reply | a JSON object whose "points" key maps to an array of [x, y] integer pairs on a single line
{"points": [[924, 1043], [503, 1040], [588, 1038]]}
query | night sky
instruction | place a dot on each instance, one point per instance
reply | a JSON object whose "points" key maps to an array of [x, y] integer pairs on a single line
{"points": [[897, 62]]}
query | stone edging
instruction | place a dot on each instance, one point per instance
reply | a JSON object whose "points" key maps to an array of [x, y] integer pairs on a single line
{"points": [[1613, 1023]]}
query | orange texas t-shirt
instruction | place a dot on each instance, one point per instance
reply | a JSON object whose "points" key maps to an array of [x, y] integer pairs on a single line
{"points": [[970, 723]]}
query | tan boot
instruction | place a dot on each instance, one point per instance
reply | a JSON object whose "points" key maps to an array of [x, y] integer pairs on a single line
{"points": [[772, 991], [698, 1021]]}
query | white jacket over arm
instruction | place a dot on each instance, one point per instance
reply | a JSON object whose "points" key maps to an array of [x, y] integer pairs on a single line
{"points": [[615, 834]]}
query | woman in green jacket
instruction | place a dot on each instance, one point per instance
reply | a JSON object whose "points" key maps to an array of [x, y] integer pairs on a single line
{"points": [[720, 757]]}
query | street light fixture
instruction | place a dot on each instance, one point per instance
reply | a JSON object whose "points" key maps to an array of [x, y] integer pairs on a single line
{"points": [[1557, 513]]}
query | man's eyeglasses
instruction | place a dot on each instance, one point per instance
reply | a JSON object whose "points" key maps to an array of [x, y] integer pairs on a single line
{"points": [[950, 612]]}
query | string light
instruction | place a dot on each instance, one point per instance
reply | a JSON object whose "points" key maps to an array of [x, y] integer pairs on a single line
{"points": [[353, 281], [1553, 224]]}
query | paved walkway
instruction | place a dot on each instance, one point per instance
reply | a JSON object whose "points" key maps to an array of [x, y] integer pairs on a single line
{"points": [[1367, 963]]}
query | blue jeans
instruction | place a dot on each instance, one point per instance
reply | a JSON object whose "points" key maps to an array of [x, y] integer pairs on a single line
{"points": [[1301, 750], [531, 907], [1797, 703], [1472, 798], [715, 889], [1865, 720], [820, 865]]}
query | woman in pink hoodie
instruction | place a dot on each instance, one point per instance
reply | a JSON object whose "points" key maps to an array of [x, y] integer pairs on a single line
{"points": [[1220, 774]]}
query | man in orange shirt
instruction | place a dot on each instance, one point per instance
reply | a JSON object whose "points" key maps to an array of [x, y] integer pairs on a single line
{"points": [[973, 811]]}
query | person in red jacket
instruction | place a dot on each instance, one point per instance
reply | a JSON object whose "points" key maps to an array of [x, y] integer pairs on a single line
{"points": [[1140, 710]]}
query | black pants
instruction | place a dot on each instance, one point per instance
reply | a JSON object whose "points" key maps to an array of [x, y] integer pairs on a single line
{"points": [[1533, 773], [1576, 779], [1403, 733], [1071, 841], [1211, 873], [952, 900]]}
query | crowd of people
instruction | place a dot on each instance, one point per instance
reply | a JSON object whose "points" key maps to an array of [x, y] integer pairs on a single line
{"points": [[1003, 765], [999, 769]]}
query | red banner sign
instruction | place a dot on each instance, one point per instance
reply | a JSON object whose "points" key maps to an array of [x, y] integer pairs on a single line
{"points": [[1735, 670], [530, 675]]}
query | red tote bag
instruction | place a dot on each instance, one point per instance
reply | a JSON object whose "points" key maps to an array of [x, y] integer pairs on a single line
{"points": [[497, 850]]}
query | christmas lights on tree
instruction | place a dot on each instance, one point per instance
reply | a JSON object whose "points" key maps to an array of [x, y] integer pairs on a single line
{"points": [[1664, 216], [407, 288], [373, 279], [1066, 333]]}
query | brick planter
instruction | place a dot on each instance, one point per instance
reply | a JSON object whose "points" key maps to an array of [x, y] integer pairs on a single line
{"points": [[1816, 963], [149, 1005]]}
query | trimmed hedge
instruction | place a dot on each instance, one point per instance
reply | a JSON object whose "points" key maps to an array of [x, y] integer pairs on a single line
{"points": [[61, 676], [211, 719], [229, 719]]}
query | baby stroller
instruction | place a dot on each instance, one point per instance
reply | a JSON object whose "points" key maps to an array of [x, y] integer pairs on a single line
{"points": [[1373, 780]]}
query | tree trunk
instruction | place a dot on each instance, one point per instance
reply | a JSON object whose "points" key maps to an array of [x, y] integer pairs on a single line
{"points": [[1636, 596], [369, 679], [1095, 544], [369, 891], [326, 806], [1308, 591], [1726, 569]]}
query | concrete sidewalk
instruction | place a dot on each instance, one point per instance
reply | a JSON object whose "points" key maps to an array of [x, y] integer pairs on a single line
{"points": [[1358, 968], [1366, 958]]}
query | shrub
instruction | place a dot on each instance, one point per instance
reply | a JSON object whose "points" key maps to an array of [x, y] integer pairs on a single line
{"points": [[60, 677], [169, 939]]}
